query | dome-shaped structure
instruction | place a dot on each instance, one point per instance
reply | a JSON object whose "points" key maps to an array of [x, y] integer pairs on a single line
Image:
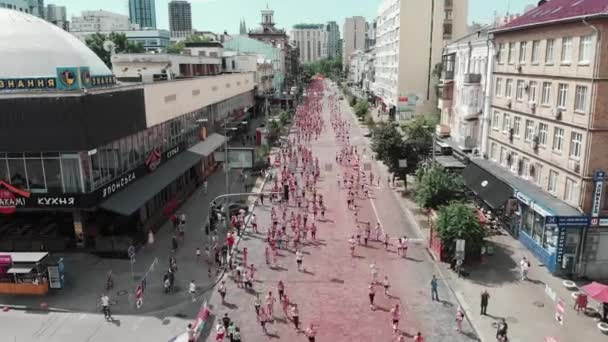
{"points": [[33, 47]]}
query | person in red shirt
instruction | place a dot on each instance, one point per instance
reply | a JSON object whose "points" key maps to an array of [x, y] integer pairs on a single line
{"points": [[418, 337]]}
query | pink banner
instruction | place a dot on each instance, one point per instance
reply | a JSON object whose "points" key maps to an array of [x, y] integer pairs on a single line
{"points": [[5, 260]]}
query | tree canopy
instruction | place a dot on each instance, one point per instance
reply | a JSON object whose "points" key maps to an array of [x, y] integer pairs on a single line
{"points": [[178, 47], [437, 187], [458, 220], [121, 45], [329, 67]]}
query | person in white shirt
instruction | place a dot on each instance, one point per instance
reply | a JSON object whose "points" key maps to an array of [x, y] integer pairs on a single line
{"points": [[105, 306], [192, 290]]}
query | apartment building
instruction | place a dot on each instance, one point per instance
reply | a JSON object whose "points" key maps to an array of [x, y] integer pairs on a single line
{"points": [[355, 37], [101, 21], [180, 19], [409, 46], [311, 40], [548, 133], [464, 92], [333, 40]]}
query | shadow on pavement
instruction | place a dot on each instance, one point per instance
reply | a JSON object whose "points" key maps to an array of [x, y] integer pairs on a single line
{"points": [[498, 270]]}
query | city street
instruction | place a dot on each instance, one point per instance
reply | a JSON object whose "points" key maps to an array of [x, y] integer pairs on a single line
{"points": [[332, 291]]}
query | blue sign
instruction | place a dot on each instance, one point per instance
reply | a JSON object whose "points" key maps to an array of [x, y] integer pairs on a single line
{"points": [[599, 175], [568, 221]]}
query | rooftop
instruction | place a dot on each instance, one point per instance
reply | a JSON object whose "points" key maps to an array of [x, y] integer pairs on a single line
{"points": [[555, 11], [308, 26]]}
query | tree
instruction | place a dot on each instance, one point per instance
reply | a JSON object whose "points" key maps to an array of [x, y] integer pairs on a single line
{"points": [[178, 47], [458, 220], [388, 144], [96, 41], [361, 108], [419, 133], [274, 131], [437, 187], [329, 67]]}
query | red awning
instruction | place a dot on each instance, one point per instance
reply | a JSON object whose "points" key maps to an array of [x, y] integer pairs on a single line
{"points": [[596, 291]]}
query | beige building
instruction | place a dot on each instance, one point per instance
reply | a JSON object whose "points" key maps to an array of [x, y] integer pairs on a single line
{"points": [[409, 45], [548, 130], [311, 40], [354, 37]]}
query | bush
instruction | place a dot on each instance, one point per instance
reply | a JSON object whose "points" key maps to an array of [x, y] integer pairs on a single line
{"points": [[361, 108], [437, 187]]}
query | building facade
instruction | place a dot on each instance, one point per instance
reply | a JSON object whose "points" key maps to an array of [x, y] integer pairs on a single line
{"points": [[57, 16], [105, 177], [465, 91], [101, 21], [151, 40], [333, 40], [354, 37], [34, 7], [311, 41], [403, 71], [180, 19], [143, 13]]}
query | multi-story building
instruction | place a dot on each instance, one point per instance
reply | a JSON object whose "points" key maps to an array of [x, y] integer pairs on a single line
{"points": [[34, 7], [151, 40], [118, 169], [143, 13], [333, 40], [180, 19], [101, 21], [403, 71], [465, 91], [548, 134], [356, 64], [262, 68], [57, 16], [370, 40], [354, 37], [311, 40]]}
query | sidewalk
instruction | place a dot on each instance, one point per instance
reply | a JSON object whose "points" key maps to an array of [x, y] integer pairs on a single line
{"points": [[528, 306]]}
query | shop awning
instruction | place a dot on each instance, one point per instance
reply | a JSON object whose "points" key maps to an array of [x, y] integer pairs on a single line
{"points": [[552, 205], [449, 162], [207, 147], [135, 196], [489, 188], [19, 270]]}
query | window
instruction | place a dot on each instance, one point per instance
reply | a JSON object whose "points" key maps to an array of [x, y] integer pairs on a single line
{"points": [[514, 162], [509, 88], [580, 99], [519, 91], [525, 167], [516, 124], [532, 91], [558, 139], [529, 133], [584, 50], [576, 142], [536, 172], [535, 52], [546, 95], [566, 57], [543, 128], [503, 156], [522, 52], [511, 57], [502, 53], [562, 95], [549, 51], [552, 184], [505, 123], [571, 193], [496, 121], [493, 152], [498, 89]]}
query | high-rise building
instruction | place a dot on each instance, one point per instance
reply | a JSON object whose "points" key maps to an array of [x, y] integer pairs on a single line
{"points": [[101, 21], [405, 61], [34, 7], [370, 40], [311, 40], [180, 18], [57, 15], [143, 13], [355, 33], [333, 40]]}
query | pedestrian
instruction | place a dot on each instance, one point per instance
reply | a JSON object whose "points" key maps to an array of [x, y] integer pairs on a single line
{"points": [[524, 266], [459, 319], [434, 293], [192, 290], [395, 315], [231, 331], [245, 254], [263, 318], [378, 231], [485, 297], [256, 304], [281, 289], [501, 330], [374, 271], [236, 335], [190, 332], [386, 241], [198, 254], [105, 306], [352, 243], [372, 294], [418, 337], [386, 285], [226, 321], [270, 304], [254, 223], [299, 258], [222, 290], [295, 316], [311, 332], [220, 331], [173, 244]]}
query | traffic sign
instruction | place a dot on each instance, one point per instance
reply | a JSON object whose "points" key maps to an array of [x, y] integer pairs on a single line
{"points": [[131, 251]]}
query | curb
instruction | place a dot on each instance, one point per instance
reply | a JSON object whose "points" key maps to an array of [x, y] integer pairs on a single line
{"points": [[6, 308]]}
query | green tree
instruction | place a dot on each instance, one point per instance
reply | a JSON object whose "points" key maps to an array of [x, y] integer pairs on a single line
{"points": [[419, 133], [388, 144], [274, 131], [458, 220], [328, 67], [96, 42], [361, 108], [437, 187], [178, 47]]}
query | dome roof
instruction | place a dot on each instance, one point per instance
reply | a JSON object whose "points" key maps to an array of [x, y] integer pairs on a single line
{"points": [[33, 47]]}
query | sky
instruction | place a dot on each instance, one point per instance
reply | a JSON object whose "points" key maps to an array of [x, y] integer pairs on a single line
{"points": [[220, 15]]}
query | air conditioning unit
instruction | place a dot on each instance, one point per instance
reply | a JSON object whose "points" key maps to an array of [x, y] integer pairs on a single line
{"points": [[557, 113], [533, 106], [519, 68], [509, 104]]}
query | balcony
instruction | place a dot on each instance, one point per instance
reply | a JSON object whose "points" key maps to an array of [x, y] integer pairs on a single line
{"points": [[472, 79], [447, 75], [442, 130], [446, 93]]}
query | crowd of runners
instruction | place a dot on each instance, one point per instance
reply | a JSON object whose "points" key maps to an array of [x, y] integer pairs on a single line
{"points": [[298, 212]]}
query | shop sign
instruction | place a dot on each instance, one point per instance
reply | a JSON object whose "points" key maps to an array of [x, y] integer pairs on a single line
{"points": [[154, 159], [523, 198], [602, 221], [568, 221], [56, 201], [598, 178], [5, 260], [27, 83], [11, 198], [540, 210], [118, 184], [561, 245]]}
